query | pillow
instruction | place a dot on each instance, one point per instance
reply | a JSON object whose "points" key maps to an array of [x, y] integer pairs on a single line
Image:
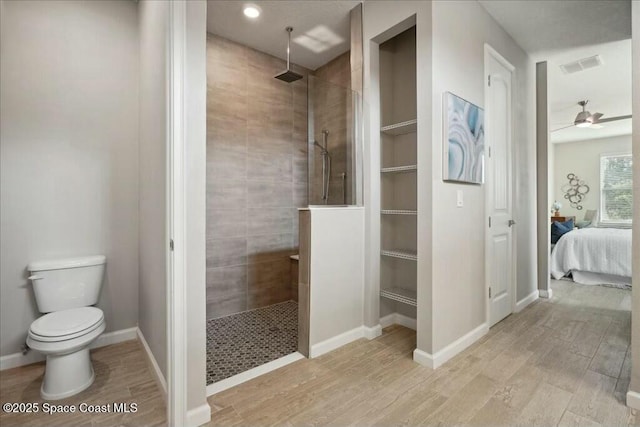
{"points": [[583, 224], [558, 229]]}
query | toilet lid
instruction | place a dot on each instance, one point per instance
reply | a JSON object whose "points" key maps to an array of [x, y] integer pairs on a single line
{"points": [[61, 324]]}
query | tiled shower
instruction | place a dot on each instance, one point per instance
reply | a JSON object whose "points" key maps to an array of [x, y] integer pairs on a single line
{"points": [[260, 170]]}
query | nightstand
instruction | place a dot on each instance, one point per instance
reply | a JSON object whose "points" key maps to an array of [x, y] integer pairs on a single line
{"points": [[563, 218]]}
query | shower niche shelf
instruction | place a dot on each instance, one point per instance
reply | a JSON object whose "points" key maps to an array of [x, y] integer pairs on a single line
{"points": [[402, 128], [405, 296]]}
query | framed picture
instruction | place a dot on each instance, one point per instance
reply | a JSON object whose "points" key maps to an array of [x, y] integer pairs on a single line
{"points": [[463, 140]]}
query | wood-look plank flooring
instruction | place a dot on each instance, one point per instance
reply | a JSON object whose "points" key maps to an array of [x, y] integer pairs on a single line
{"points": [[122, 375], [564, 361]]}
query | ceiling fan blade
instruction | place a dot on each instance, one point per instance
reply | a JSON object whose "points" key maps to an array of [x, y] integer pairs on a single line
{"points": [[613, 119], [565, 127], [595, 117]]}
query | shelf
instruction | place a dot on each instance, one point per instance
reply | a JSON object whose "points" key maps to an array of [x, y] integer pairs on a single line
{"points": [[400, 169], [405, 296], [398, 212], [400, 253], [410, 126]]}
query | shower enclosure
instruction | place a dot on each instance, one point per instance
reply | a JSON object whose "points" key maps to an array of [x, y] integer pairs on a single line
{"points": [[274, 145], [335, 150]]}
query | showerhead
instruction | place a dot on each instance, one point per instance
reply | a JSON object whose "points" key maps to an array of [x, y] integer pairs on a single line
{"points": [[288, 75]]}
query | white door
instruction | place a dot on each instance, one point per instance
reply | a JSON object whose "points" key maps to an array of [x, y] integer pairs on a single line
{"points": [[499, 237]]}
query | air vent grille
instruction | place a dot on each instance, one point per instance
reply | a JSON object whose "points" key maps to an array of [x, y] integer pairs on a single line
{"points": [[581, 64]]}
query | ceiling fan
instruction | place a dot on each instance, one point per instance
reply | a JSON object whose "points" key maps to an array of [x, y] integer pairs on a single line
{"points": [[585, 119]]}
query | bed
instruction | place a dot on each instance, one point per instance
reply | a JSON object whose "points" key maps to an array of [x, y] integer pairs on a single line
{"points": [[594, 256]]}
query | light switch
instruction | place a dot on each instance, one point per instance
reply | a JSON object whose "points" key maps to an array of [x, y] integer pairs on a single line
{"points": [[460, 200]]}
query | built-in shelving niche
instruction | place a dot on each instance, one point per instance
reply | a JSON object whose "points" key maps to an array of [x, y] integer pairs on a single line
{"points": [[398, 139]]}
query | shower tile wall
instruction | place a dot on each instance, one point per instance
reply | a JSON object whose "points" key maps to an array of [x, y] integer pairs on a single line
{"points": [[256, 177], [332, 111]]}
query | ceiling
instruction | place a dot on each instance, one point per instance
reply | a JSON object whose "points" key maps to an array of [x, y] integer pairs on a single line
{"points": [[323, 25], [564, 31], [607, 87], [542, 25]]}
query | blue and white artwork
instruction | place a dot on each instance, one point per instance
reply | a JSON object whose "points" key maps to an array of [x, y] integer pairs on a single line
{"points": [[463, 141]]}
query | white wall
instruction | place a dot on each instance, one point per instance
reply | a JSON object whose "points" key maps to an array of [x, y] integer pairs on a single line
{"points": [[459, 296], [635, 331], [336, 273], [195, 93], [69, 151], [583, 159], [153, 23]]}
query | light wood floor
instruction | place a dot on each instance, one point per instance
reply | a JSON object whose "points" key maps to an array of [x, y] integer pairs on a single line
{"points": [[122, 375], [560, 362]]}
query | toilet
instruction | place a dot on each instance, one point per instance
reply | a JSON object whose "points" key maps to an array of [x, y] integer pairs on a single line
{"points": [[66, 291]]}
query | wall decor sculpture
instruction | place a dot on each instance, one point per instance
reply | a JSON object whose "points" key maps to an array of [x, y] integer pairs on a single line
{"points": [[575, 191]]}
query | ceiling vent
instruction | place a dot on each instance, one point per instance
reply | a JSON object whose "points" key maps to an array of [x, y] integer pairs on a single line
{"points": [[581, 64]]}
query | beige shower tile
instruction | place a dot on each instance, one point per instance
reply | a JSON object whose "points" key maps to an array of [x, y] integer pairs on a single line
{"points": [[226, 252], [269, 247], [226, 194], [223, 223], [226, 164], [269, 220], [269, 194], [269, 166], [269, 282]]}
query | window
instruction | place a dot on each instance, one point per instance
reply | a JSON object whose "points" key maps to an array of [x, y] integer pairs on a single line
{"points": [[616, 189]]}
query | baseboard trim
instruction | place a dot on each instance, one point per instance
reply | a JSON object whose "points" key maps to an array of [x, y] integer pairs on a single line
{"points": [[199, 416], [398, 319], [336, 342], [18, 359], [520, 305], [434, 361], [153, 364], [373, 332], [633, 400], [545, 293], [245, 376]]}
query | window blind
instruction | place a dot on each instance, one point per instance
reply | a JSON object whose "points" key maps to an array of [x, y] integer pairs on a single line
{"points": [[616, 188]]}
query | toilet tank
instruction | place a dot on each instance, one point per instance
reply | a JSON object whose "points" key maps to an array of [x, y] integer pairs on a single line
{"points": [[67, 283]]}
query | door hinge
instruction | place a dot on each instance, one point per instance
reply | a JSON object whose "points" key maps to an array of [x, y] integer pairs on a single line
{"points": [[489, 222], [171, 244], [489, 151], [489, 292], [489, 80]]}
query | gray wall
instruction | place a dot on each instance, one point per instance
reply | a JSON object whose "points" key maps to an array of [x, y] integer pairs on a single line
{"points": [[153, 18], [256, 177], [69, 151], [458, 67], [451, 288]]}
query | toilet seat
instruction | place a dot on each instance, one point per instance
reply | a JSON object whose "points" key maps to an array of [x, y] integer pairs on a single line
{"points": [[66, 324]]}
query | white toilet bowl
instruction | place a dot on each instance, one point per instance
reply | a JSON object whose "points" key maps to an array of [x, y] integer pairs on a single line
{"points": [[64, 337]]}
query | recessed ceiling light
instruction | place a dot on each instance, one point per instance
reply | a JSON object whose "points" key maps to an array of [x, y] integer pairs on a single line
{"points": [[251, 11]]}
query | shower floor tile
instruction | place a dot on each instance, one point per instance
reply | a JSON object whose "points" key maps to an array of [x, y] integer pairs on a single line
{"points": [[245, 340]]}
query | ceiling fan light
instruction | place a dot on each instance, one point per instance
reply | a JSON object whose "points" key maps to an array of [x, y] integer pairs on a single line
{"points": [[583, 124]]}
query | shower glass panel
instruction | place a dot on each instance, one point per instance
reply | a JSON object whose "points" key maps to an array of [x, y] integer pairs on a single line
{"points": [[335, 148]]}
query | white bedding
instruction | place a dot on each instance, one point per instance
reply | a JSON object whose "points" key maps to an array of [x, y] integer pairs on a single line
{"points": [[605, 251]]}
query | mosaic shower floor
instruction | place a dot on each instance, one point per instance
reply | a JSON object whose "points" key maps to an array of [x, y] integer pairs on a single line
{"points": [[242, 341]]}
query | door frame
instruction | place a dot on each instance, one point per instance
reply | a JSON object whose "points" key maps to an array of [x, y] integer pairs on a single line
{"points": [[490, 52]]}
